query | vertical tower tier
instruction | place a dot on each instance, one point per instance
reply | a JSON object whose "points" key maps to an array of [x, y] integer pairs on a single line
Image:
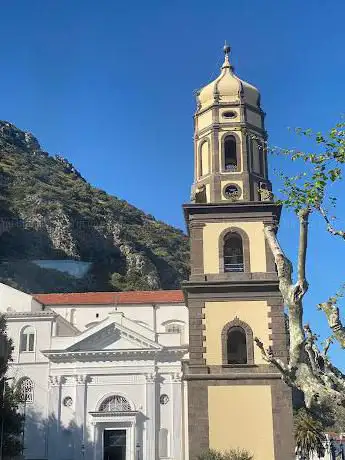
{"points": [[235, 399]]}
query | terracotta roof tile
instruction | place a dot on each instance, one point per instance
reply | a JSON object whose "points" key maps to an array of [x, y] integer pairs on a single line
{"points": [[102, 298]]}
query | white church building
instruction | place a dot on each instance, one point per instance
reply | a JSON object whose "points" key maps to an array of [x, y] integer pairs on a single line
{"points": [[100, 373]]}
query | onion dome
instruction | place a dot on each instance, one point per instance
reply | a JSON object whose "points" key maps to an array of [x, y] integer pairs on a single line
{"points": [[228, 88]]}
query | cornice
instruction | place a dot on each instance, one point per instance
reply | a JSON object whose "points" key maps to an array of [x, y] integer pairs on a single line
{"points": [[239, 376], [239, 104], [109, 355], [34, 316]]}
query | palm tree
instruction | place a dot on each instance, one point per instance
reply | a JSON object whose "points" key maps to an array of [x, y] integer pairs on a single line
{"points": [[309, 435]]}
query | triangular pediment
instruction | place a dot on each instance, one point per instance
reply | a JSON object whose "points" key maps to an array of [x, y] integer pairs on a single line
{"points": [[115, 333]]}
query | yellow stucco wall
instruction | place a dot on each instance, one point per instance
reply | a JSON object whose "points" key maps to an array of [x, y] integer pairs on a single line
{"points": [[241, 416], [218, 314], [205, 119], [257, 248], [205, 158]]}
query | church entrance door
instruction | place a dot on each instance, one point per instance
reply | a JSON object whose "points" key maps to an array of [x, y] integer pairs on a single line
{"points": [[114, 445]]}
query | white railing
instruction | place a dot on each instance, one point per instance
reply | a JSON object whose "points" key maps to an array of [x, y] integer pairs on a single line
{"points": [[233, 267]]}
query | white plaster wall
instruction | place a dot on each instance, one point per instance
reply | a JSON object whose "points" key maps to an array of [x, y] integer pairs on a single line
{"points": [[117, 376], [43, 332], [143, 314], [13, 300]]}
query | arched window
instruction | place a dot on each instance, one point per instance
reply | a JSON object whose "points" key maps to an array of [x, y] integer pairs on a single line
{"points": [[233, 253], [27, 339], [230, 154], [115, 403], [26, 390], [173, 328], [236, 346], [237, 343]]}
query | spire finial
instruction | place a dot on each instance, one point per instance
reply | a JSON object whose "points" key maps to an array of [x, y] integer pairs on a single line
{"points": [[226, 50]]}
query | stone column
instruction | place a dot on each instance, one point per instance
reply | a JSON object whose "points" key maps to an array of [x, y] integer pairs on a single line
{"points": [[80, 416], [151, 413], [176, 416], [54, 415]]}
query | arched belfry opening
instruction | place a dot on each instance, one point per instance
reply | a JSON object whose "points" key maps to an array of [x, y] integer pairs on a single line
{"points": [[237, 343], [230, 154], [233, 253], [236, 346]]}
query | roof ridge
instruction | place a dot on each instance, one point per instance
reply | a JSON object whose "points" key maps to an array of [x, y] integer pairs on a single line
{"points": [[112, 297]]}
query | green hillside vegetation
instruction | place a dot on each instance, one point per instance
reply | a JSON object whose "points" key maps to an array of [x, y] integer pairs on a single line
{"points": [[49, 211]]}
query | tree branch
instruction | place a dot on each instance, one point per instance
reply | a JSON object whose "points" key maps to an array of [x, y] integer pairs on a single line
{"points": [[330, 228], [270, 358], [331, 311], [303, 243], [289, 292]]}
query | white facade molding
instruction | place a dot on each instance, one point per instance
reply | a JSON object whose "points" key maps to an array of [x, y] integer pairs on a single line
{"points": [[56, 380], [73, 372]]}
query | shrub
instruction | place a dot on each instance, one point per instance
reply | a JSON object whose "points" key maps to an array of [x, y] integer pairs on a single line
{"points": [[232, 454]]}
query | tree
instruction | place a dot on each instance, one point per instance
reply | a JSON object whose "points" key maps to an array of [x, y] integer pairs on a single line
{"points": [[10, 419], [308, 367], [309, 435]]}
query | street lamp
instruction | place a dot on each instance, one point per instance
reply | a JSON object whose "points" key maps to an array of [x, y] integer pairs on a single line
{"points": [[4, 380]]}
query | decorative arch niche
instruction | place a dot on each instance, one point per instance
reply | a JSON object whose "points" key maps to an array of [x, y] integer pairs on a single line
{"points": [[228, 333], [204, 158]]}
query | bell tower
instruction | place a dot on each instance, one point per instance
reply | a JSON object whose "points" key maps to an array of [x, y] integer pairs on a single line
{"points": [[235, 399]]}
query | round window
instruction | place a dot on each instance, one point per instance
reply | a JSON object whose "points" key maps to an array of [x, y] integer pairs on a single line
{"points": [[229, 114], [164, 399], [232, 192], [68, 401]]}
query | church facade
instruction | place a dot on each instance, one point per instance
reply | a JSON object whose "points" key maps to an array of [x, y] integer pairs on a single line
{"points": [[100, 374], [169, 374]]}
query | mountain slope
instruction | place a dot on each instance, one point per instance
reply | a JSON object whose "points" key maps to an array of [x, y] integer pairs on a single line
{"points": [[60, 234]]}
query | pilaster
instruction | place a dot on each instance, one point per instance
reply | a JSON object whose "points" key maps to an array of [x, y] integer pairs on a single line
{"points": [[151, 412], [54, 415], [80, 414], [177, 416]]}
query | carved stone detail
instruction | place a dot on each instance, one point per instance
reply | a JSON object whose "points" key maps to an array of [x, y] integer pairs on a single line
{"points": [[176, 376], [81, 379], [56, 380], [151, 377]]}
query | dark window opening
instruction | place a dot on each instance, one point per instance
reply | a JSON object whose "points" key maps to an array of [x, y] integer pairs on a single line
{"points": [[232, 192], [233, 253], [237, 346], [230, 156]]}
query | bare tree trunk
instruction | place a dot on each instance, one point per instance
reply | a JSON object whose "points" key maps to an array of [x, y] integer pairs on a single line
{"points": [[308, 369]]}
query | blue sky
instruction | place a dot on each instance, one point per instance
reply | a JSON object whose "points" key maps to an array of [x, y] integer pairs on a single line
{"points": [[110, 86]]}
